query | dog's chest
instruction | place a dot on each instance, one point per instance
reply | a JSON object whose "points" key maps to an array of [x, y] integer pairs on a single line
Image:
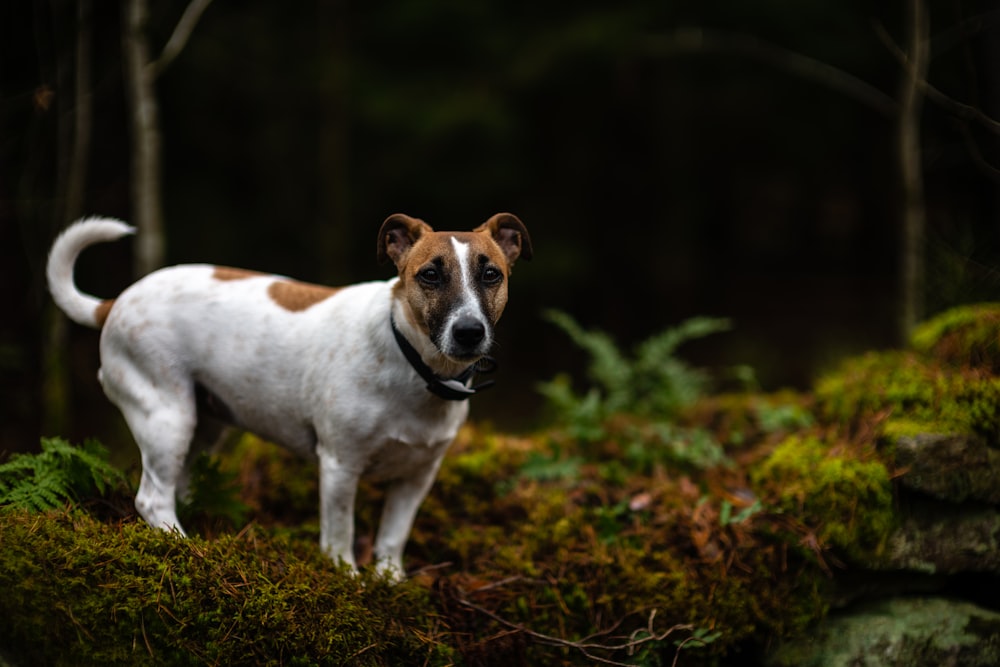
{"points": [[411, 444]]}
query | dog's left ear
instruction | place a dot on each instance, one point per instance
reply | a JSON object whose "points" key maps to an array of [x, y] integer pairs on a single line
{"points": [[510, 234], [398, 234]]}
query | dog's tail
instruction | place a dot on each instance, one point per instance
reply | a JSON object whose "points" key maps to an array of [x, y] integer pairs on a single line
{"points": [[81, 308]]}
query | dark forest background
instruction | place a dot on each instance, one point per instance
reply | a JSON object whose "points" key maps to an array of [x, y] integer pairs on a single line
{"points": [[670, 159]]}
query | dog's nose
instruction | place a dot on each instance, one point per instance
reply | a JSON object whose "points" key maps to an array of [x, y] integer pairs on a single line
{"points": [[468, 332]]}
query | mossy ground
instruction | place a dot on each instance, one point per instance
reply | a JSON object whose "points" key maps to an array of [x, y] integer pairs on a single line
{"points": [[530, 549]]}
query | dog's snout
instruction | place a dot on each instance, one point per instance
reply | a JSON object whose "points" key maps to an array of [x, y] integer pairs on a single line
{"points": [[468, 332]]}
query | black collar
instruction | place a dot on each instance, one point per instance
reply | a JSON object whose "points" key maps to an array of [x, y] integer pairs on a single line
{"points": [[451, 389]]}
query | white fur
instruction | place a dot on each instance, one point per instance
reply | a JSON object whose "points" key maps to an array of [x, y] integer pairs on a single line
{"points": [[79, 307], [328, 381], [467, 305]]}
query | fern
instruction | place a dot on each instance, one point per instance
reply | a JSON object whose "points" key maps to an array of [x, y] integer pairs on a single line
{"points": [[608, 368], [59, 474], [652, 384]]}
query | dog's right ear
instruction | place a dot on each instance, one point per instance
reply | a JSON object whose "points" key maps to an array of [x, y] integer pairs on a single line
{"points": [[398, 234]]}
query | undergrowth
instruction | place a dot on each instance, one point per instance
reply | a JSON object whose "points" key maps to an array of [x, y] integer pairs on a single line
{"points": [[59, 474], [652, 519], [634, 400], [78, 592]]}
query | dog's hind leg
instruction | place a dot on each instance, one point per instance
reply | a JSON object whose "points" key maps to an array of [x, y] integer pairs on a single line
{"points": [[338, 486], [162, 416]]}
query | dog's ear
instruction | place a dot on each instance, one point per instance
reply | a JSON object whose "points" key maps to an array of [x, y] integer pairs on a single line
{"points": [[398, 233], [510, 234]]}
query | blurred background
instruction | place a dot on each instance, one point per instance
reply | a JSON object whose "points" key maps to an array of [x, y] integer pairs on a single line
{"points": [[670, 158]]}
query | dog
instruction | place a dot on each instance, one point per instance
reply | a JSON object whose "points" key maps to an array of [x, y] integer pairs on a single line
{"points": [[370, 379]]}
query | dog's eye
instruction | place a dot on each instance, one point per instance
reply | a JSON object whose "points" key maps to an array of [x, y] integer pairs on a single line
{"points": [[429, 276], [492, 275]]}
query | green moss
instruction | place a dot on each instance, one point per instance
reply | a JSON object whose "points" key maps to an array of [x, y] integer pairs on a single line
{"points": [[277, 485], [80, 592], [577, 556], [844, 499], [906, 385], [567, 555], [964, 336]]}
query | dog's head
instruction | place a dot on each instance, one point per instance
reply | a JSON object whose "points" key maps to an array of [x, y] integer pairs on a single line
{"points": [[454, 284]]}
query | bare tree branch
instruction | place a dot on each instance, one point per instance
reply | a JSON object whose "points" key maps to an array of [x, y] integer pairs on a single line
{"points": [[178, 40], [959, 109], [140, 76], [698, 40]]}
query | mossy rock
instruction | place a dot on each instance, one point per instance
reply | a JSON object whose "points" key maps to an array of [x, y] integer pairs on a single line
{"points": [[916, 632], [955, 467], [905, 385], [842, 495], [502, 558], [966, 336], [940, 538], [79, 592]]}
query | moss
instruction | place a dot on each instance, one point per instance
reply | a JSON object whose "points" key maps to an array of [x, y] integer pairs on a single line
{"points": [[79, 592], [277, 485], [844, 498], [567, 555], [577, 555], [901, 631], [904, 384], [966, 336]]}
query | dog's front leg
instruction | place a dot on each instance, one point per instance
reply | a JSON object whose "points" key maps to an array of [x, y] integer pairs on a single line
{"points": [[338, 486], [402, 501]]}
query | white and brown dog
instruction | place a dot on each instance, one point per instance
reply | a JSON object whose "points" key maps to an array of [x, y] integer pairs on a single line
{"points": [[370, 379]]}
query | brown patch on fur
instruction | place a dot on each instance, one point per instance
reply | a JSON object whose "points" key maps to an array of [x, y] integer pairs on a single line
{"points": [[295, 296], [228, 273], [102, 311]]}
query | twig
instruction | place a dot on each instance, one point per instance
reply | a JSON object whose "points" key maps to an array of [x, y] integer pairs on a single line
{"points": [[498, 584], [699, 40], [430, 568], [959, 109], [142, 625], [182, 32], [586, 647]]}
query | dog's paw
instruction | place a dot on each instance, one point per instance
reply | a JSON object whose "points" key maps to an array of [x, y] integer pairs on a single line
{"points": [[392, 571]]}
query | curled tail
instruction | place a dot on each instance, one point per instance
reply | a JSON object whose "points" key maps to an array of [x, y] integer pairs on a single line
{"points": [[81, 308]]}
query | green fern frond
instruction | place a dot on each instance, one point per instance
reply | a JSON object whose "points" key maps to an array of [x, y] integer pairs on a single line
{"points": [[608, 367], [652, 384], [59, 474]]}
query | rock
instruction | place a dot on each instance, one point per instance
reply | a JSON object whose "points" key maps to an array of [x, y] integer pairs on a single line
{"points": [[952, 467], [899, 632], [940, 539]]}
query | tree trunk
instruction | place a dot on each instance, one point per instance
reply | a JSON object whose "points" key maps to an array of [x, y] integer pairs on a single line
{"points": [[74, 148], [914, 214], [147, 206]]}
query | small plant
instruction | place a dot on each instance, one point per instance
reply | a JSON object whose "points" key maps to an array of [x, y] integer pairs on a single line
{"points": [[651, 386], [652, 383], [59, 474]]}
